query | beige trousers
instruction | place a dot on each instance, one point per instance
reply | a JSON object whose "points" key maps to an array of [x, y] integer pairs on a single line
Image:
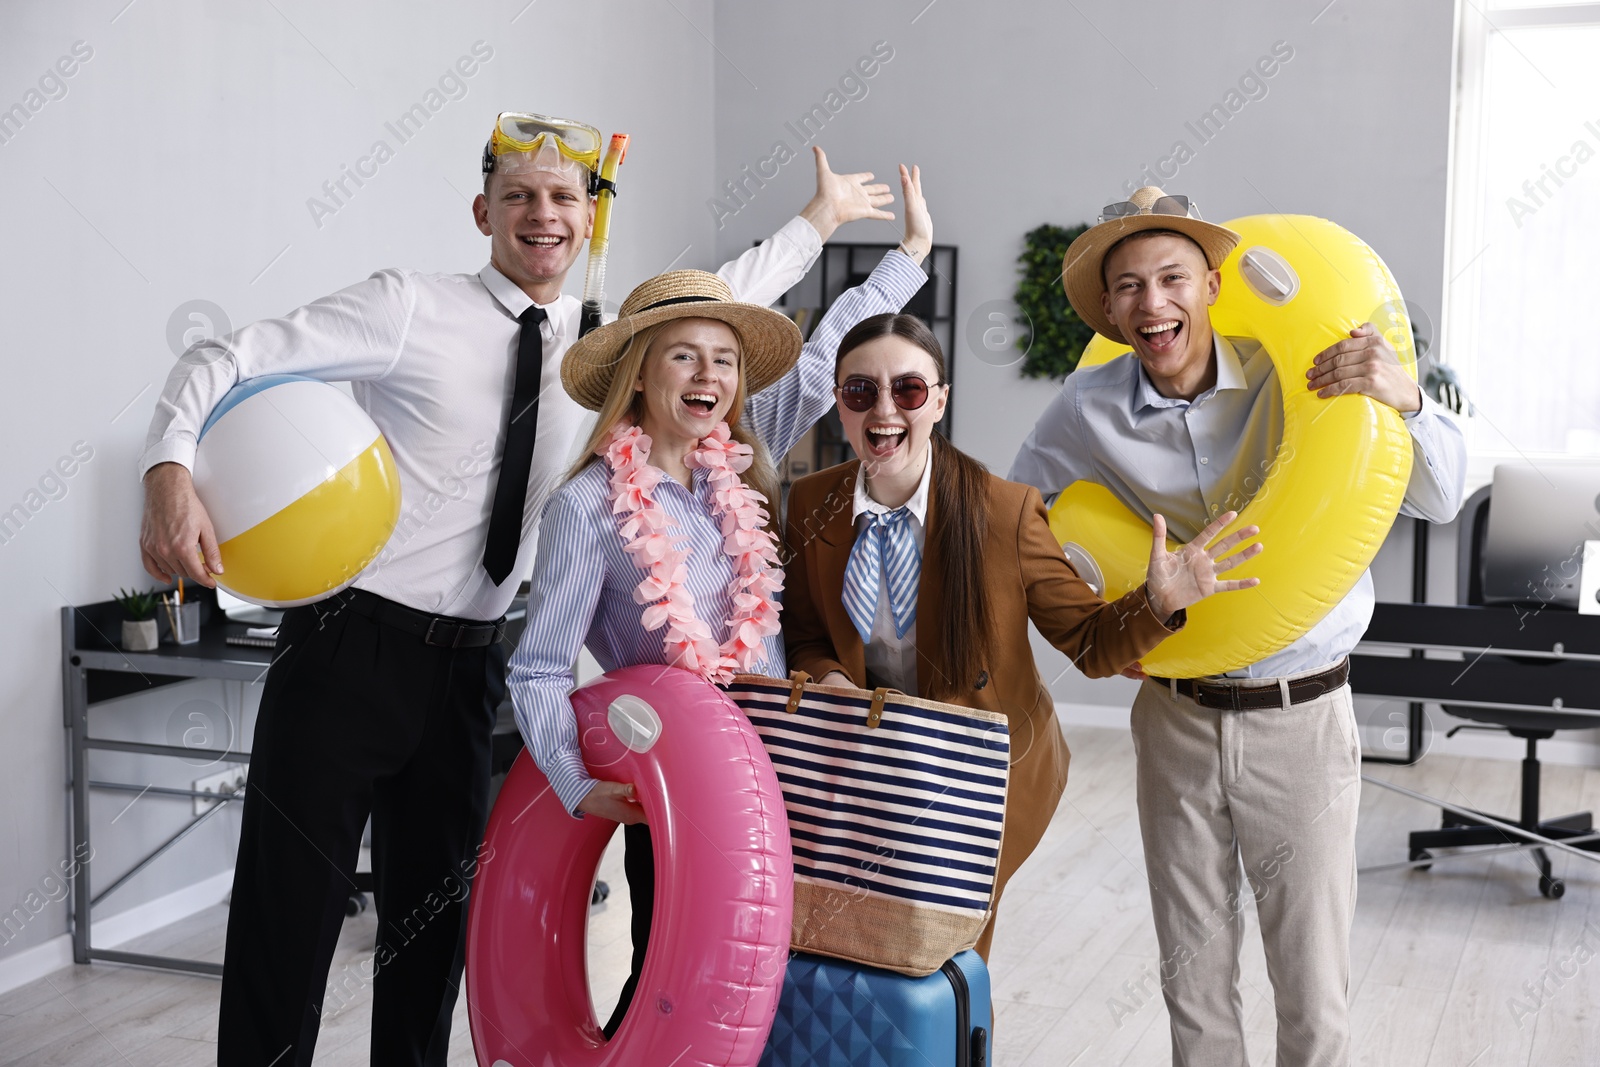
{"points": [[1262, 802]]}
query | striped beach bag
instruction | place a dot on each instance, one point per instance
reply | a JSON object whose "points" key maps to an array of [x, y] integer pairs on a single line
{"points": [[896, 807]]}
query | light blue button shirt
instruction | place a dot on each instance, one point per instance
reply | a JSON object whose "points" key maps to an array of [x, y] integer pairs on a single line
{"points": [[1193, 460], [583, 583]]}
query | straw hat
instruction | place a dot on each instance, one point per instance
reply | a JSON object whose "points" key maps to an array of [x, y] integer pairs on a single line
{"points": [[769, 343], [1081, 270]]}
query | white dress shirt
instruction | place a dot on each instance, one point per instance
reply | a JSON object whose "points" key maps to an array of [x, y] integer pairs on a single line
{"points": [[891, 660], [1192, 460], [432, 358]]}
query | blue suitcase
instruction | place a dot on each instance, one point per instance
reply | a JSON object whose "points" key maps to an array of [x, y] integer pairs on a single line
{"points": [[837, 1014]]}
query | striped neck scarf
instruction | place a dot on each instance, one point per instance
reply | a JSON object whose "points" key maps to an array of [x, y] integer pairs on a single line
{"points": [[887, 547]]}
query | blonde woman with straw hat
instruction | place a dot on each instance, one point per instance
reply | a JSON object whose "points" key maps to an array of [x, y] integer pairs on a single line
{"points": [[669, 508]]}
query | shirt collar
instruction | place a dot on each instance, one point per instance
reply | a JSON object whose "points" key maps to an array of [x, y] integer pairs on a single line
{"points": [[511, 297], [1230, 375], [865, 505]]}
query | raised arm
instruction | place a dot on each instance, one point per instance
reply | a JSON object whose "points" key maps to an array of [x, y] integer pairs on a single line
{"points": [[764, 273], [350, 335], [783, 412]]}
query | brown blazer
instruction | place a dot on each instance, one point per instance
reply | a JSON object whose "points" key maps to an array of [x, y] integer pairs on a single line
{"points": [[1027, 577]]}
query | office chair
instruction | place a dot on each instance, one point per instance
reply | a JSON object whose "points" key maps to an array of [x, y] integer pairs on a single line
{"points": [[1458, 831]]}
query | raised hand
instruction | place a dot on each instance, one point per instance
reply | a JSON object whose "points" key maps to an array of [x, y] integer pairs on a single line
{"points": [[1178, 579], [843, 198], [919, 224]]}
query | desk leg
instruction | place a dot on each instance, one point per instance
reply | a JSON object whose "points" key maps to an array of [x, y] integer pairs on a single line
{"points": [[81, 850], [1420, 531], [1415, 721]]}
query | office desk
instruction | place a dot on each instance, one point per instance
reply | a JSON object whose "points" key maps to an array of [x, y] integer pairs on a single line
{"points": [[1556, 667], [1531, 671], [95, 670]]}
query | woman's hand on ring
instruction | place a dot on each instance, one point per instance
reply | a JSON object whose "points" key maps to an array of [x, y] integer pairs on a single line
{"points": [[614, 801], [1188, 575]]}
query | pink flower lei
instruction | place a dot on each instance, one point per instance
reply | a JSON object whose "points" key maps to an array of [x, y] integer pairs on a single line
{"points": [[648, 535]]}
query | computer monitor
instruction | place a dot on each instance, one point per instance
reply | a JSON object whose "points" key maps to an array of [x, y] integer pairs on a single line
{"points": [[1539, 518], [243, 611]]}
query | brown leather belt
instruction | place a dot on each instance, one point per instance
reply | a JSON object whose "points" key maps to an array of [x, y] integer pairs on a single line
{"points": [[1248, 694]]}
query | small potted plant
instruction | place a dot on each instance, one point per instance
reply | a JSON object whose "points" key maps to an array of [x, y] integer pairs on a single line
{"points": [[139, 633]]}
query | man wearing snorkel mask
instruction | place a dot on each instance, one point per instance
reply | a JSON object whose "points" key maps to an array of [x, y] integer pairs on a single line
{"points": [[381, 699]]}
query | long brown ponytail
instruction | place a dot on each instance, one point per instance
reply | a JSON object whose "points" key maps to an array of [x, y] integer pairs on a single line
{"points": [[960, 525]]}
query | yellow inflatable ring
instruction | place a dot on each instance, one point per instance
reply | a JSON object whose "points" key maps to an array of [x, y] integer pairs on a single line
{"points": [[1296, 284]]}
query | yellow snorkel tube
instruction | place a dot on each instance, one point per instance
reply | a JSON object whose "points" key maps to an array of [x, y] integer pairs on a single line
{"points": [[594, 282]]}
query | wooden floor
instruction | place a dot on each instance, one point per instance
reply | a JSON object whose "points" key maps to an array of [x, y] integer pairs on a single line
{"points": [[1462, 966]]}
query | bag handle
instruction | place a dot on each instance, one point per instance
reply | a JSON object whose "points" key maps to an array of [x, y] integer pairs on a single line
{"points": [[797, 693], [875, 712], [798, 680]]}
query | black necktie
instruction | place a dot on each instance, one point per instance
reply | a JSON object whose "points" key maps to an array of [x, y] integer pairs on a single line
{"points": [[516, 459]]}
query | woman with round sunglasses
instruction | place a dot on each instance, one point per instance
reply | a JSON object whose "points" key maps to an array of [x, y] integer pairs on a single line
{"points": [[913, 567], [660, 548]]}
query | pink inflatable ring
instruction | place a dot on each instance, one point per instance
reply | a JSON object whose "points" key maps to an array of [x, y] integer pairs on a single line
{"points": [[724, 888]]}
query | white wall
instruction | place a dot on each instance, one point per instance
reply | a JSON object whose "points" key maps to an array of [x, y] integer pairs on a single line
{"points": [[1029, 113], [177, 167]]}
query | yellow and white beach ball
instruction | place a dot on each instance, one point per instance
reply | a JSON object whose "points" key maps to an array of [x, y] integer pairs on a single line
{"points": [[301, 487]]}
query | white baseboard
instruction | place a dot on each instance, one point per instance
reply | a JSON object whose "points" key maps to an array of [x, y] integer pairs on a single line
{"points": [[1572, 748], [1110, 716], [113, 930], [31, 964]]}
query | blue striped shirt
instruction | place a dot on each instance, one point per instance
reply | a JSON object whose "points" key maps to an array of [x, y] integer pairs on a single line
{"points": [[582, 592]]}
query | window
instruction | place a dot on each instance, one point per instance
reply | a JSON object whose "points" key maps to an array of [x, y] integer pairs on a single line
{"points": [[1523, 282]]}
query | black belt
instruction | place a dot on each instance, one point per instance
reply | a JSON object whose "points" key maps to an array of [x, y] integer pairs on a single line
{"points": [[1251, 695], [444, 631]]}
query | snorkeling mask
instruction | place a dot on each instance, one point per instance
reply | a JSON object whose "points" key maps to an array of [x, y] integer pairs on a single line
{"points": [[523, 141]]}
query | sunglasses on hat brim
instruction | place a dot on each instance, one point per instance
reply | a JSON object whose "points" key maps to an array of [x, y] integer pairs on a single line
{"points": [[909, 392], [1163, 205]]}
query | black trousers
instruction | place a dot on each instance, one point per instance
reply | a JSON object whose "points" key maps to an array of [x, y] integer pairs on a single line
{"points": [[639, 864], [357, 717]]}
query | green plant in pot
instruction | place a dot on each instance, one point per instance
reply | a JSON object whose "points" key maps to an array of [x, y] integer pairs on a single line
{"points": [[1052, 337], [139, 633]]}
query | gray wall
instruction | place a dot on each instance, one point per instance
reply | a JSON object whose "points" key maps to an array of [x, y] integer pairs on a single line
{"points": [[176, 167], [1029, 113]]}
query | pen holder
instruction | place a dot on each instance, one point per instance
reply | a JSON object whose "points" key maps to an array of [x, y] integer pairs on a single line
{"points": [[187, 618]]}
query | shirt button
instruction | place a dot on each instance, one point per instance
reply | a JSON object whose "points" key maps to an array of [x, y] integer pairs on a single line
{"points": [[1215, 509], [1204, 461]]}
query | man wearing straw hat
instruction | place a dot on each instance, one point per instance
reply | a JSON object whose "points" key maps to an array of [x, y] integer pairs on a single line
{"points": [[1259, 767], [381, 700]]}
